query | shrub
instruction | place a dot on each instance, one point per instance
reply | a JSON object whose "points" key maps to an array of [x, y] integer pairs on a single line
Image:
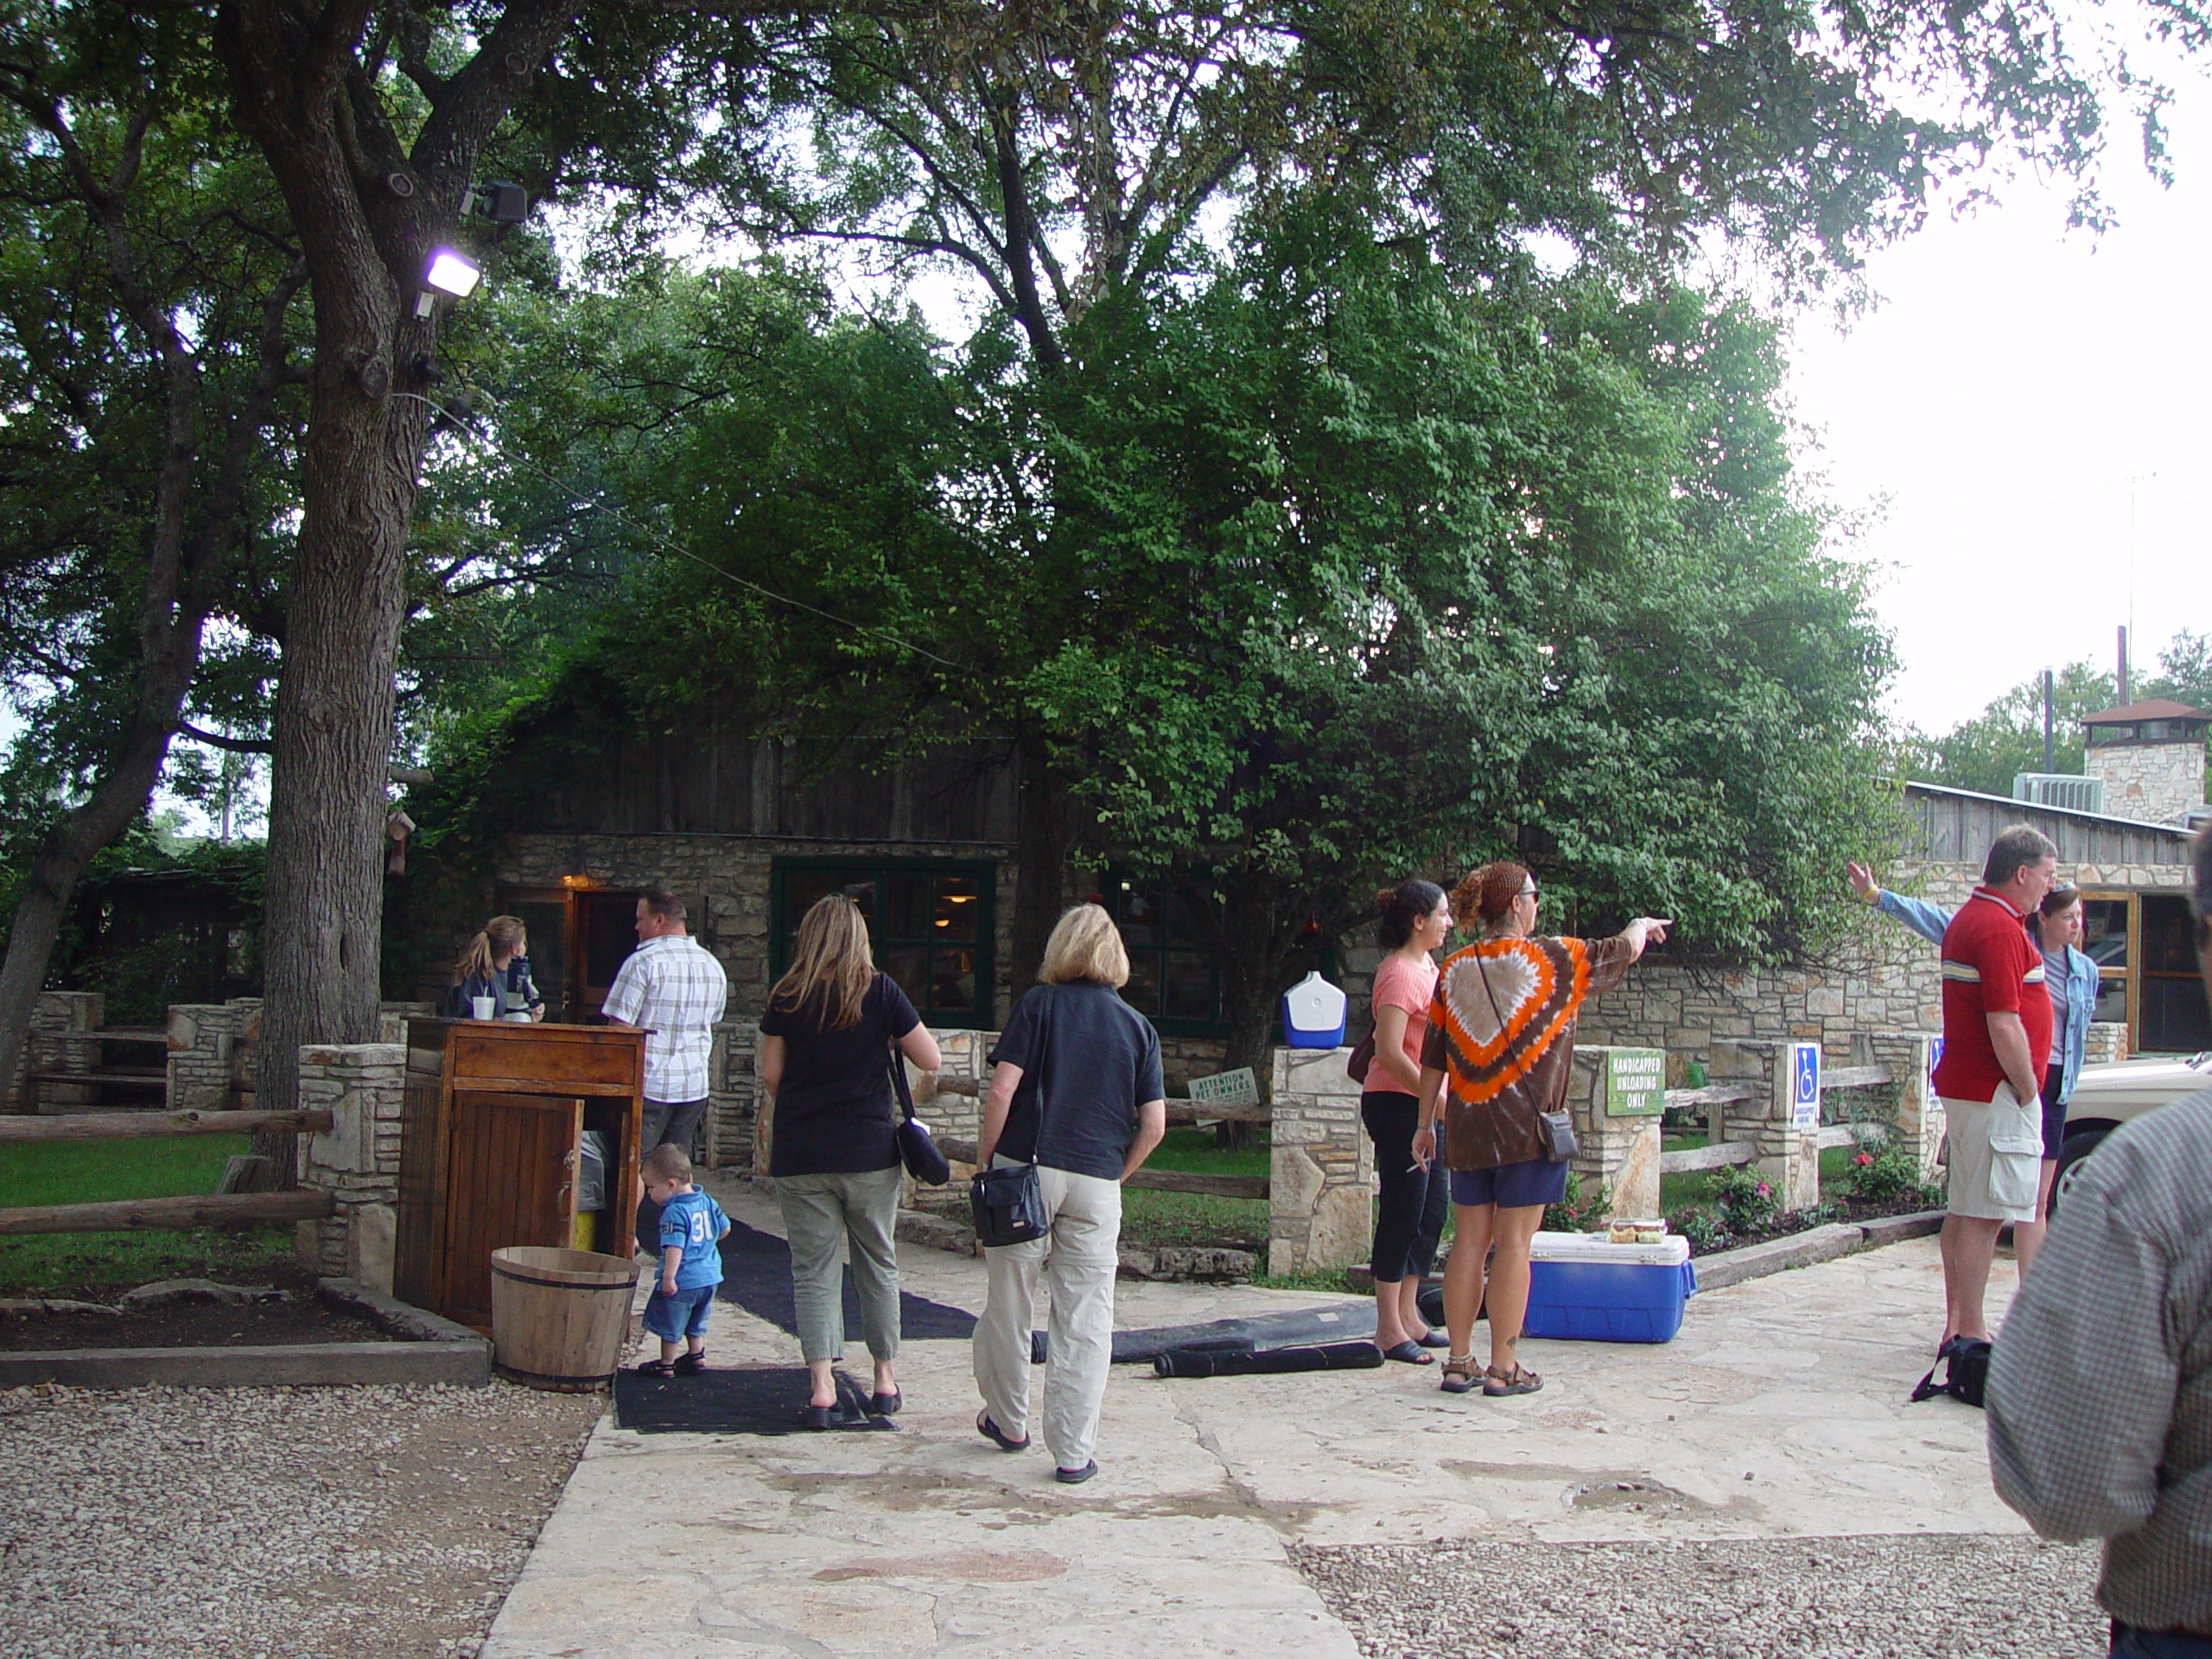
{"points": [[1890, 1171], [1573, 1214], [1700, 1224], [1745, 1202]]}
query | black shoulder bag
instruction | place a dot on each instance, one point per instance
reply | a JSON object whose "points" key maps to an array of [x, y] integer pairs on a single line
{"points": [[924, 1160], [916, 1148], [1007, 1205], [1965, 1364]]}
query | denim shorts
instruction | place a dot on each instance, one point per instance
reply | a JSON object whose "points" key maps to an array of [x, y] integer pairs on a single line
{"points": [[1511, 1186], [684, 1314]]}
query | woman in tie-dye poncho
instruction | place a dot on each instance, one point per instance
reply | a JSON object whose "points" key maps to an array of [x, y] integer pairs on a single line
{"points": [[1499, 1052]]}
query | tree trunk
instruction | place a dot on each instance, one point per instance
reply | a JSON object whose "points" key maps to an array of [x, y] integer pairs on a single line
{"points": [[368, 210], [1040, 859], [1261, 951], [323, 893]]}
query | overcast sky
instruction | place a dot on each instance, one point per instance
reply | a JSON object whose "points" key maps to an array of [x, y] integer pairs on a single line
{"points": [[2012, 383]]}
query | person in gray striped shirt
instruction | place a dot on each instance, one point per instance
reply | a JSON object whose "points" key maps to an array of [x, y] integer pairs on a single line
{"points": [[2100, 1392]]}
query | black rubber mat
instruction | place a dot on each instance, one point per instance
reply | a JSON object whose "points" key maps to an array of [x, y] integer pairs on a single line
{"points": [[757, 1276], [743, 1399]]}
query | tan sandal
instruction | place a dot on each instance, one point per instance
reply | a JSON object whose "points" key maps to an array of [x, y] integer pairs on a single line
{"points": [[1517, 1379], [1460, 1374]]}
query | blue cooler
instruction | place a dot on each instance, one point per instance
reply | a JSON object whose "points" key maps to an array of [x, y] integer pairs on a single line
{"points": [[1584, 1288]]}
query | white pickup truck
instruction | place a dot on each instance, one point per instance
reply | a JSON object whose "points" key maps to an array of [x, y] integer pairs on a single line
{"points": [[2106, 1097]]}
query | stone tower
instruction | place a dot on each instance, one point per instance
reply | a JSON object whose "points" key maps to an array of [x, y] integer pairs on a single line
{"points": [[2151, 756]]}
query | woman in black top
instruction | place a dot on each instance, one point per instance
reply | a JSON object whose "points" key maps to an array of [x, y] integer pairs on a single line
{"points": [[1076, 1090], [825, 1058]]}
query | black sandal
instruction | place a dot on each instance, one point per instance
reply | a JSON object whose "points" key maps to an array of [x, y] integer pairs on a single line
{"points": [[653, 1367], [998, 1437], [1409, 1352], [689, 1364]]}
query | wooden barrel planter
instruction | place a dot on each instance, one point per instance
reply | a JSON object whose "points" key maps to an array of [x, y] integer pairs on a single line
{"points": [[559, 1317]]}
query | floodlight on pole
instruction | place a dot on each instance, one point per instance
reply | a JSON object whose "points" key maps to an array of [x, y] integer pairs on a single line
{"points": [[449, 274]]}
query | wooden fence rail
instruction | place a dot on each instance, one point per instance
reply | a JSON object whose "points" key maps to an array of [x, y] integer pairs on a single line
{"points": [[1152, 1180], [1723, 1155], [127, 1126], [1178, 1112], [219, 1209]]}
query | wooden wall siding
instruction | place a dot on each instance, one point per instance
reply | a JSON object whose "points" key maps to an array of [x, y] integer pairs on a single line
{"points": [[1953, 826], [703, 780]]}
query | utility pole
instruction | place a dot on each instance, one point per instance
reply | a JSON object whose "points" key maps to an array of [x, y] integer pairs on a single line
{"points": [[2046, 720]]}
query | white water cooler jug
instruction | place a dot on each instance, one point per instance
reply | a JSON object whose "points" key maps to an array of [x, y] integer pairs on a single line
{"points": [[1314, 1014]]}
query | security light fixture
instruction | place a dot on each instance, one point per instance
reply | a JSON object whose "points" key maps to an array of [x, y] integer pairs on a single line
{"points": [[449, 274], [500, 202]]}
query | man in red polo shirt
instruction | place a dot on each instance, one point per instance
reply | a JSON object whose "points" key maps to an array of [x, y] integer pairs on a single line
{"points": [[1996, 1032]]}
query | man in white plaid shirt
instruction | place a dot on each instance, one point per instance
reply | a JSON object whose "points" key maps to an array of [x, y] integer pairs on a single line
{"points": [[672, 988]]}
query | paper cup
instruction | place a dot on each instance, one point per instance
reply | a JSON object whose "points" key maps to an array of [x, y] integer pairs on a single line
{"points": [[481, 1006]]}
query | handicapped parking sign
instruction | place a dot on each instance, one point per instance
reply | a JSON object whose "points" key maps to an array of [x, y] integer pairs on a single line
{"points": [[1805, 1085]]}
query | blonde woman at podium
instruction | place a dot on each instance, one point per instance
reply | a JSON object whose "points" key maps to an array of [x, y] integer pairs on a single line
{"points": [[492, 980], [826, 1053]]}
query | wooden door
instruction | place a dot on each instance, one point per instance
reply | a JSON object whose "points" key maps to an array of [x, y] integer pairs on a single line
{"points": [[510, 1178]]}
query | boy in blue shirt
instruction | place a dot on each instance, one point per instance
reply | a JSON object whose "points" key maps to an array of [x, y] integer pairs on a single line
{"points": [[692, 1227]]}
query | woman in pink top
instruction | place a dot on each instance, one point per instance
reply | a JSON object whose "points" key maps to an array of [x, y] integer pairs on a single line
{"points": [[1410, 1219]]}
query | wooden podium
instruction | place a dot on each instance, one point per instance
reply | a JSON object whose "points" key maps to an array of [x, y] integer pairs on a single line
{"points": [[490, 1129]]}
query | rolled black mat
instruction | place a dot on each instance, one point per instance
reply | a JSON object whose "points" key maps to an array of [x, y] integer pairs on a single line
{"points": [[1343, 1322], [1332, 1357]]}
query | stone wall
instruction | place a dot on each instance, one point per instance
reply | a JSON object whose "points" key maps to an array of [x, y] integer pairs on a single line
{"points": [[1886, 979], [2153, 782], [357, 1161], [1321, 1173], [208, 1046], [1620, 1155], [54, 1013], [211, 1048]]}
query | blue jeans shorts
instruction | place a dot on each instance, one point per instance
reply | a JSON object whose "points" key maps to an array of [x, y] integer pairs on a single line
{"points": [[1511, 1186], [684, 1314]]}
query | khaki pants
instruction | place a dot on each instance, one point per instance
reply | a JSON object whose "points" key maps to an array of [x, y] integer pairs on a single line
{"points": [[1078, 1256], [821, 1214]]}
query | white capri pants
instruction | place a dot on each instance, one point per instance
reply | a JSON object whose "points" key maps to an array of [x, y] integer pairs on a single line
{"points": [[1078, 1256]]}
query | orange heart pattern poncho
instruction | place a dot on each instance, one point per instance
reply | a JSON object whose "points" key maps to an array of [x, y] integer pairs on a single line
{"points": [[1500, 1028]]}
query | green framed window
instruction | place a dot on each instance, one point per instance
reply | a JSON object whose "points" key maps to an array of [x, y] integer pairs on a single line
{"points": [[1174, 979], [932, 923]]}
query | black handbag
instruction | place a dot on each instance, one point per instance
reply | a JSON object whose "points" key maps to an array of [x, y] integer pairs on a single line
{"points": [[1006, 1203], [1965, 1364], [918, 1150]]}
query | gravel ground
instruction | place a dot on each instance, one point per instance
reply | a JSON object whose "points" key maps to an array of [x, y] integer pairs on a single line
{"points": [[272, 1523], [1880, 1598]]}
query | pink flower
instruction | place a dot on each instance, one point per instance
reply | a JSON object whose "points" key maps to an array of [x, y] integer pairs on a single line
{"points": [[1763, 1189], [1863, 1159]]}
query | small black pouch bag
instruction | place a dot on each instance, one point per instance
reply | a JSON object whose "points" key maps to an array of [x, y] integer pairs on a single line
{"points": [[1006, 1204], [1964, 1362]]}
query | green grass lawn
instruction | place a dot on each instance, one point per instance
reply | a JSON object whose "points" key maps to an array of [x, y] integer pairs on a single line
{"points": [[90, 1172], [1151, 1219]]}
